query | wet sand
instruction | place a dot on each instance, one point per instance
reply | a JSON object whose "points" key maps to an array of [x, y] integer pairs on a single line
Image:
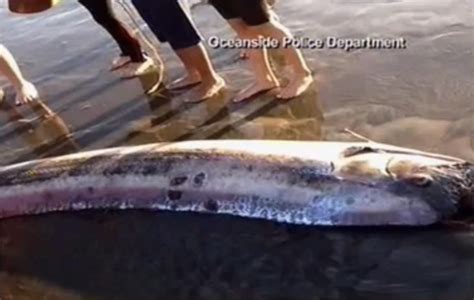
{"points": [[140, 255], [419, 97]]}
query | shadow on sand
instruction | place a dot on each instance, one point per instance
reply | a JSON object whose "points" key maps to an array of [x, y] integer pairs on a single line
{"points": [[145, 255]]}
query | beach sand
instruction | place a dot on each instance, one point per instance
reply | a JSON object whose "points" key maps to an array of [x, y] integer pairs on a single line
{"points": [[419, 97]]}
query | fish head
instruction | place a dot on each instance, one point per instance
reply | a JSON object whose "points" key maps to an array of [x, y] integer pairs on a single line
{"points": [[445, 186], [423, 186]]}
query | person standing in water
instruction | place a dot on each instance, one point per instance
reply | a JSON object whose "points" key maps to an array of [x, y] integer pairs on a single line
{"points": [[132, 61], [271, 5], [171, 22], [252, 19], [25, 91]]}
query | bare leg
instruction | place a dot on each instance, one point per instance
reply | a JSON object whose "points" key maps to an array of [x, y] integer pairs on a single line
{"points": [[302, 79], [265, 79], [241, 28], [9, 68], [193, 76], [196, 61], [242, 32], [102, 13], [25, 90]]}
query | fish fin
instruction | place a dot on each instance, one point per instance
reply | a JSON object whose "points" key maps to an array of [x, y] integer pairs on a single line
{"points": [[359, 136], [356, 150]]}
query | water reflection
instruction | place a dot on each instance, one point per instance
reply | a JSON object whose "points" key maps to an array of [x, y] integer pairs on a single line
{"points": [[42, 131], [420, 97], [264, 118], [398, 97], [139, 255]]}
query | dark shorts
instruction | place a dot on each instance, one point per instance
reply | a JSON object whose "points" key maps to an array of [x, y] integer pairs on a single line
{"points": [[170, 22], [252, 12]]}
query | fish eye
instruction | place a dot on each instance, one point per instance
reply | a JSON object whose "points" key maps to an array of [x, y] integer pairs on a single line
{"points": [[420, 180]]}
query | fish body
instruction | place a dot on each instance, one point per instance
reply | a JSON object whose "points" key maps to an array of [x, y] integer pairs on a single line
{"points": [[311, 183]]}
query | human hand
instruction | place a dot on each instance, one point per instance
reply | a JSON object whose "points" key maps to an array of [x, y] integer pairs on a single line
{"points": [[26, 93]]}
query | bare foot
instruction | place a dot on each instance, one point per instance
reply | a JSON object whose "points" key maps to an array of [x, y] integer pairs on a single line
{"points": [[297, 86], [255, 90], [26, 93], [135, 69], [184, 82], [207, 90]]}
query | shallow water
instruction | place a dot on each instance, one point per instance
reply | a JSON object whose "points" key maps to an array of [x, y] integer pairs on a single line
{"points": [[419, 97]]}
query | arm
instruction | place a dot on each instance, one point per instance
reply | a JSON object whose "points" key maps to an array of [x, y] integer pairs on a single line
{"points": [[26, 91]]}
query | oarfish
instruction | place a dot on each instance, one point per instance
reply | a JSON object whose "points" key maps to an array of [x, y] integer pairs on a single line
{"points": [[312, 183]]}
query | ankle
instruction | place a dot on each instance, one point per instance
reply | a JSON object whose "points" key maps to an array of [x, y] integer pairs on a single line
{"points": [[303, 72], [211, 80], [194, 75]]}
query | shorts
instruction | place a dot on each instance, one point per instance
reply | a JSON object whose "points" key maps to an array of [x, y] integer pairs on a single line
{"points": [[252, 12], [170, 21]]}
